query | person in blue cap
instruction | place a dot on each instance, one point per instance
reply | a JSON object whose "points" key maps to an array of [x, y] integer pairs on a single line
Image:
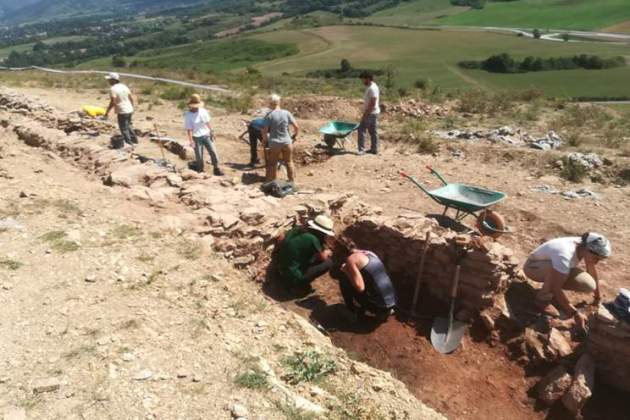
{"points": [[555, 265]]}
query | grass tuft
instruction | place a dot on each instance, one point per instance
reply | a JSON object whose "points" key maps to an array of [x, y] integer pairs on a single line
{"points": [[11, 264], [308, 366], [252, 379]]}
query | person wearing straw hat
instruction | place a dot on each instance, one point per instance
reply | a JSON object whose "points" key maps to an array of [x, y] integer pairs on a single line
{"points": [[197, 124], [122, 101], [301, 254], [555, 265]]}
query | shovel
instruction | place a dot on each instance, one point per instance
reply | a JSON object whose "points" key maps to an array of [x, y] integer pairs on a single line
{"points": [[447, 333], [413, 312]]}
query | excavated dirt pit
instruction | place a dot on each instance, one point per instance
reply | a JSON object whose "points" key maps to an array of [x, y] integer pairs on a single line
{"points": [[478, 381]]}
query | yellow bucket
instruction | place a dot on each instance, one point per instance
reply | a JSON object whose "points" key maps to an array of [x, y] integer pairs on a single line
{"points": [[94, 111]]}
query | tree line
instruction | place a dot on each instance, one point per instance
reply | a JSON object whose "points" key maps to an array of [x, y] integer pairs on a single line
{"points": [[505, 63]]}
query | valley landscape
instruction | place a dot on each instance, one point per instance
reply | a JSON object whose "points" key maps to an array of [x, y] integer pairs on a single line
{"points": [[134, 287]]}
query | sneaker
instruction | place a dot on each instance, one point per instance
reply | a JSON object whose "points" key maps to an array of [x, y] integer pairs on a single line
{"points": [[373, 152], [361, 152], [218, 172]]}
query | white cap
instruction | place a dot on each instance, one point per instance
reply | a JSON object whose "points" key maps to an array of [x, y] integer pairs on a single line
{"points": [[275, 98], [113, 76], [598, 244]]}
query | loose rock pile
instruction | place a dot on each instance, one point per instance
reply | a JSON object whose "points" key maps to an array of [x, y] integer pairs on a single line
{"points": [[415, 108], [19, 104], [505, 135]]}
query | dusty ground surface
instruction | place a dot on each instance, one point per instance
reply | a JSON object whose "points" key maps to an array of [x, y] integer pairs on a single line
{"points": [[142, 301]]}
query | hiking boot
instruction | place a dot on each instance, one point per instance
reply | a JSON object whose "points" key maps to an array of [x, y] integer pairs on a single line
{"points": [[218, 172]]}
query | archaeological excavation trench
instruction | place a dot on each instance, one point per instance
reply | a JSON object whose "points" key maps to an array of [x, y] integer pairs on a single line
{"points": [[494, 373]]}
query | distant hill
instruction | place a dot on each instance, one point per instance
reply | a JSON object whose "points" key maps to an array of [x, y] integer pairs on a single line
{"points": [[19, 11]]}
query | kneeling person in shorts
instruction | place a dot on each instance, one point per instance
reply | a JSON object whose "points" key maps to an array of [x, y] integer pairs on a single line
{"points": [[555, 265]]}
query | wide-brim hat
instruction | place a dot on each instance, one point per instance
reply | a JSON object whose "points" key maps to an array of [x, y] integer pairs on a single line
{"points": [[195, 101], [322, 224]]}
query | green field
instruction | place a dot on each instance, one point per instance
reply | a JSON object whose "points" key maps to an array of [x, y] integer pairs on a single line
{"points": [[545, 14], [434, 54], [414, 54], [415, 13], [4, 52], [219, 55]]}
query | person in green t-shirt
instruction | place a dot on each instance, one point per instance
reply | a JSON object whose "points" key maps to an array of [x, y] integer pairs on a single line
{"points": [[301, 254]]}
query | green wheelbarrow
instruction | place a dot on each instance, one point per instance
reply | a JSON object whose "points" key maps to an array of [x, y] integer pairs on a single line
{"points": [[467, 200], [336, 132]]}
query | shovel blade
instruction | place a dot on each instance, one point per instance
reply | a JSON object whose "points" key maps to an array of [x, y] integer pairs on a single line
{"points": [[444, 340]]}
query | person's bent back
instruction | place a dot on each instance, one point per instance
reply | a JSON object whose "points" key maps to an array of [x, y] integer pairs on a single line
{"points": [[367, 284], [301, 255]]}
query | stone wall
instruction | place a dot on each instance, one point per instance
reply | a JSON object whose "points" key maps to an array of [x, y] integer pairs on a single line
{"points": [[487, 268], [609, 344]]}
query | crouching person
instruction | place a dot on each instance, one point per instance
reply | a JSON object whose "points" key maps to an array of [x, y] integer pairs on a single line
{"points": [[301, 254], [555, 265], [367, 284]]}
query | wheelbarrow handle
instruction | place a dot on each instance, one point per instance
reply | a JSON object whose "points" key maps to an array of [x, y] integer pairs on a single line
{"points": [[437, 174], [415, 181]]}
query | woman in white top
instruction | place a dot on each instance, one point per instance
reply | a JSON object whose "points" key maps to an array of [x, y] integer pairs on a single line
{"points": [[554, 264], [197, 124]]}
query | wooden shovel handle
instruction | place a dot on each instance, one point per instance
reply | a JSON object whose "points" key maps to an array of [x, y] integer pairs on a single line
{"points": [[455, 282], [425, 249]]}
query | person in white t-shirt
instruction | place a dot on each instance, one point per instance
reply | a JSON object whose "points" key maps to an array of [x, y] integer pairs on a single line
{"points": [[555, 264], [197, 125], [122, 101], [369, 117]]}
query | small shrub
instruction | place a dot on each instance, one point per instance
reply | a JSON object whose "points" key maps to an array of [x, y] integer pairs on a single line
{"points": [[483, 102], [252, 379], [176, 93], [308, 366], [428, 146], [574, 138], [402, 92], [572, 170], [59, 243], [422, 84], [11, 264]]}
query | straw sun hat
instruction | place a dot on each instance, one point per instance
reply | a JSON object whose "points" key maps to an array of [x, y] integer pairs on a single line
{"points": [[195, 101]]}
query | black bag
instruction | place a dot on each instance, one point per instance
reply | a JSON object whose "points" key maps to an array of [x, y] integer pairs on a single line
{"points": [[117, 142], [278, 189]]}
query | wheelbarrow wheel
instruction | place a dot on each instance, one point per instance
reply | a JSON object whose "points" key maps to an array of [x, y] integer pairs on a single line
{"points": [[490, 223]]}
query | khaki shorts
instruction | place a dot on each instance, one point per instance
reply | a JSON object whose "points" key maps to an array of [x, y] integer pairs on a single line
{"points": [[577, 281]]}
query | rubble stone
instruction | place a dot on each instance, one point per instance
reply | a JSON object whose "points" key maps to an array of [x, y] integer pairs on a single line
{"points": [[553, 386], [582, 387]]}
